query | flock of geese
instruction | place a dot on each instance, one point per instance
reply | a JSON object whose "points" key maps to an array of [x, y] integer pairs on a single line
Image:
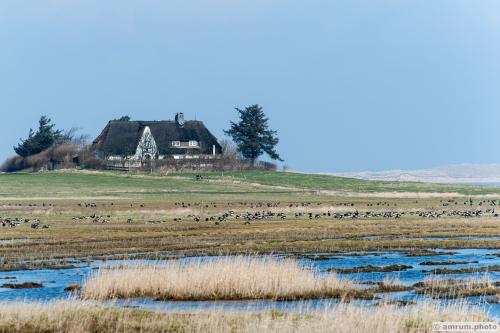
{"points": [[352, 215], [15, 222], [264, 212]]}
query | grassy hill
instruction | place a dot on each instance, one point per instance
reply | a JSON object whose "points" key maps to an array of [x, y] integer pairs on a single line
{"points": [[333, 183], [68, 184]]}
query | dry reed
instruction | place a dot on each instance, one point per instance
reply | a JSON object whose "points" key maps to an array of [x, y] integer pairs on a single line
{"points": [[222, 278], [452, 288], [84, 317]]}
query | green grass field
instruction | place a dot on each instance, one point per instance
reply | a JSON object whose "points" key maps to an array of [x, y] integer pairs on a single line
{"points": [[333, 183], [70, 184]]}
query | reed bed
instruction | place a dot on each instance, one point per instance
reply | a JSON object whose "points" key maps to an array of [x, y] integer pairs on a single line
{"points": [[84, 317], [234, 278], [391, 284]]}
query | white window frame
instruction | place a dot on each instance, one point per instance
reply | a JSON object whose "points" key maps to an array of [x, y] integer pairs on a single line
{"points": [[176, 143], [193, 143]]}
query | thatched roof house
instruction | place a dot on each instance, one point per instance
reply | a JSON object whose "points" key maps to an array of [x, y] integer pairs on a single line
{"points": [[146, 140]]}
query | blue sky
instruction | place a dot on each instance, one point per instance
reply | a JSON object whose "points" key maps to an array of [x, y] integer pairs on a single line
{"points": [[349, 85]]}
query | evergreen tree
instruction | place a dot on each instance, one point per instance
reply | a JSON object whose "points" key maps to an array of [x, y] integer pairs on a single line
{"points": [[252, 134], [45, 137]]}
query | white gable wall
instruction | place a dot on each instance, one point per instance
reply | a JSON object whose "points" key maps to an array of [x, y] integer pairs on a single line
{"points": [[146, 147]]}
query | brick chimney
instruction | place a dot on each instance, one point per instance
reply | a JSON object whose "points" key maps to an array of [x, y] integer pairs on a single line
{"points": [[179, 119]]}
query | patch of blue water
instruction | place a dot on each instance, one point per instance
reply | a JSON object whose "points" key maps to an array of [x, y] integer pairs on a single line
{"points": [[493, 310], [415, 274], [20, 240], [54, 282], [456, 238]]}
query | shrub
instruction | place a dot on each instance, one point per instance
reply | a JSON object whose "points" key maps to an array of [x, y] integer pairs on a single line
{"points": [[12, 164], [49, 159]]}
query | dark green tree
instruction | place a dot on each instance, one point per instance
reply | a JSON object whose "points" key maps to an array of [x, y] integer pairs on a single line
{"points": [[45, 137], [252, 134]]}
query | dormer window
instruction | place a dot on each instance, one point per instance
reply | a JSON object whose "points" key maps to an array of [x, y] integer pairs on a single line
{"points": [[176, 143], [193, 143]]}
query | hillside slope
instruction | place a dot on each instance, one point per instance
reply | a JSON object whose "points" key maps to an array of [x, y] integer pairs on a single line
{"points": [[68, 184]]}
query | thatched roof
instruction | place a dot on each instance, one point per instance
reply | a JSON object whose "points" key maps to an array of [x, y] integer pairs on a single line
{"points": [[121, 137]]}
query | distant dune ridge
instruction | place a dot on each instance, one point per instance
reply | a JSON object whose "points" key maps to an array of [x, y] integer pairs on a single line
{"points": [[459, 173]]}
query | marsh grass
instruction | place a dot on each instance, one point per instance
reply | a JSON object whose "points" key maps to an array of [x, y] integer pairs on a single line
{"points": [[466, 270], [67, 238], [370, 268], [84, 317], [236, 278], [390, 284], [448, 262], [439, 288]]}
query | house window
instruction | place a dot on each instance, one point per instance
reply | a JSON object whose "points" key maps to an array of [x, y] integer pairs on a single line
{"points": [[193, 143], [147, 148], [176, 143]]}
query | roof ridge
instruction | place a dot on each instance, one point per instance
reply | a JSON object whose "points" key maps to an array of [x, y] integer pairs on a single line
{"points": [[153, 121]]}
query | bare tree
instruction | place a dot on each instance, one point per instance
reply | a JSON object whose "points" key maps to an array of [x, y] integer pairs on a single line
{"points": [[74, 138], [230, 150]]}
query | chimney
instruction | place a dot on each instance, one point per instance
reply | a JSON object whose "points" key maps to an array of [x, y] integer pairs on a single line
{"points": [[179, 119]]}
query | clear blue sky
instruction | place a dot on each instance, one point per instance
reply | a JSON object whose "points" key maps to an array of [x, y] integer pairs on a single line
{"points": [[349, 85]]}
